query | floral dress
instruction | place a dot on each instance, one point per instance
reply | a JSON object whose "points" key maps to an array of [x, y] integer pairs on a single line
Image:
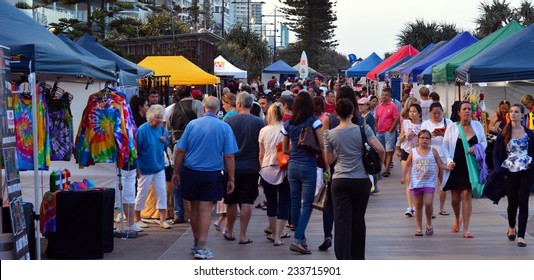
{"points": [[518, 158]]}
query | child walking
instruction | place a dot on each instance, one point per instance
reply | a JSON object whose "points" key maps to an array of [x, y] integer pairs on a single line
{"points": [[425, 162], [411, 125]]}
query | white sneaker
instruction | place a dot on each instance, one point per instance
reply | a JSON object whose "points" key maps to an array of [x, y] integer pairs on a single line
{"points": [[119, 217], [136, 227], [203, 254], [142, 224], [165, 225], [409, 212]]}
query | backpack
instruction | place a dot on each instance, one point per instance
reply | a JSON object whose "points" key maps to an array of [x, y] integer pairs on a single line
{"points": [[455, 109], [182, 114]]}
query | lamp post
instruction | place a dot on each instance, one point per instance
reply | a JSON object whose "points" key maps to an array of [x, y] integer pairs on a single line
{"points": [[274, 39]]}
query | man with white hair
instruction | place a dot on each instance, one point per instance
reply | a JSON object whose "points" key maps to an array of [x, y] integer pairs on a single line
{"points": [[205, 148]]}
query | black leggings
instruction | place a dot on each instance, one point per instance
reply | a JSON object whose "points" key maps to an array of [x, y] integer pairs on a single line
{"points": [[518, 192]]}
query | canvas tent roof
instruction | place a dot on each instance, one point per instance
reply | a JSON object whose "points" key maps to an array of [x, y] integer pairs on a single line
{"points": [[280, 67], [361, 69], [30, 41], [426, 76], [445, 72], [181, 70], [457, 43], [508, 60], [396, 71], [90, 44], [382, 75], [398, 55], [222, 67]]}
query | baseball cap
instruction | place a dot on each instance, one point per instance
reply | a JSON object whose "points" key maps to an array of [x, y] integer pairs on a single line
{"points": [[287, 99], [363, 100]]}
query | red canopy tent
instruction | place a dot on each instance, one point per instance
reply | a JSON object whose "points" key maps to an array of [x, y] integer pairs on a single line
{"points": [[398, 55]]}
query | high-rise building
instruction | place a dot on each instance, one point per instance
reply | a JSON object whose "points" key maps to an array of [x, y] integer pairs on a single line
{"points": [[221, 12], [284, 35], [247, 13]]}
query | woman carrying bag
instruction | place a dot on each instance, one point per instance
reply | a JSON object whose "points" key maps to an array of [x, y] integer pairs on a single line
{"points": [[458, 149], [513, 157]]}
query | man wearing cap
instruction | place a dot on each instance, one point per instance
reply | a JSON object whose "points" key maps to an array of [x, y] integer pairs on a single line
{"points": [[287, 100]]}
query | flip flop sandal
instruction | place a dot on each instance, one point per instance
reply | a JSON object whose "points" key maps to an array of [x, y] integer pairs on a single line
{"points": [[418, 233], [285, 235], [267, 231], [270, 237], [386, 174], [430, 231], [279, 243], [468, 235], [444, 213], [248, 241], [228, 238]]}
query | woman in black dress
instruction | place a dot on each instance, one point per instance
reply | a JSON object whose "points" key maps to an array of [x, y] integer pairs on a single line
{"points": [[458, 180]]}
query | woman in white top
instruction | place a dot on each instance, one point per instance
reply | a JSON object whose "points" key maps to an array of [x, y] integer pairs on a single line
{"points": [[273, 178], [458, 180], [408, 139], [437, 125]]}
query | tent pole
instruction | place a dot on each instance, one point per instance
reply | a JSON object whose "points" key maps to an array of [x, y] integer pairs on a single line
{"points": [[31, 79], [447, 96]]}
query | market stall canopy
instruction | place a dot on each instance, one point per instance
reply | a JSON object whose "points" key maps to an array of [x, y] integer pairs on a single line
{"points": [[385, 73], [361, 69], [426, 76], [396, 71], [222, 67], [90, 44], [30, 42], [181, 70], [509, 60], [398, 55], [444, 72], [459, 42], [280, 67]]}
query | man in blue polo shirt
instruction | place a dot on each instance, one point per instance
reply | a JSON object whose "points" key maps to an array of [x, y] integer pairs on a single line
{"points": [[206, 145]]}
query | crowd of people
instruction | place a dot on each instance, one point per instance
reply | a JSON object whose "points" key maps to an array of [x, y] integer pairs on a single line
{"points": [[225, 148]]}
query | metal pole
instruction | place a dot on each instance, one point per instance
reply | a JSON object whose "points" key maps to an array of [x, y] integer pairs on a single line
{"points": [[274, 40], [37, 193], [248, 15], [222, 24]]}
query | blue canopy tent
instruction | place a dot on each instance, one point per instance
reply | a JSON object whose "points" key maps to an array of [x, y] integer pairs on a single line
{"points": [[384, 75], [509, 60], [426, 76], [128, 71], [32, 45], [397, 71], [279, 69], [457, 43], [366, 65]]}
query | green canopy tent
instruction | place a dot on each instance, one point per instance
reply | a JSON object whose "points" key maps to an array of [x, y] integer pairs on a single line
{"points": [[444, 72]]}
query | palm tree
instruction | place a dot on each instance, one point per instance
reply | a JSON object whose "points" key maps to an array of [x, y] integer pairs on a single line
{"points": [[245, 49], [525, 13], [420, 34], [493, 16]]}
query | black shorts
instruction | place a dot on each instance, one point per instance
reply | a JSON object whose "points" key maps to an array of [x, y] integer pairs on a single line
{"points": [[201, 185], [246, 189], [404, 155]]}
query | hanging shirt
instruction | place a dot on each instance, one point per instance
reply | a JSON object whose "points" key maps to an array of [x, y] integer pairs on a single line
{"points": [[24, 129], [60, 129]]}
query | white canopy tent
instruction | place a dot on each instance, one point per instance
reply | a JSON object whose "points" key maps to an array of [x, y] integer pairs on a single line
{"points": [[222, 67]]}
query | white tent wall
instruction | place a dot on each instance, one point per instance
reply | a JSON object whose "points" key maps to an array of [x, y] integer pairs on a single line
{"points": [[266, 77], [103, 174]]}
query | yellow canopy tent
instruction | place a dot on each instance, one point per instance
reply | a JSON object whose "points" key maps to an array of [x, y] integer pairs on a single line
{"points": [[181, 70]]}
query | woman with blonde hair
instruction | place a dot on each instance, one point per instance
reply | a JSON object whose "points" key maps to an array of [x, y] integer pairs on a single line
{"points": [[273, 178]]}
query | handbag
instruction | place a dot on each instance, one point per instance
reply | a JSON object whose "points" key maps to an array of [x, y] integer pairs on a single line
{"points": [[320, 198], [308, 140], [283, 159], [472, 168], [370, 158]]}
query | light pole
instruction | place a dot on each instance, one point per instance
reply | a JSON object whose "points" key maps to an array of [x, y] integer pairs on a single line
{"points": [[274, 39]]}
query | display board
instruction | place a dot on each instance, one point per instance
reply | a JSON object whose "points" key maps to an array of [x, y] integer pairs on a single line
{"points": [[11, 180]]}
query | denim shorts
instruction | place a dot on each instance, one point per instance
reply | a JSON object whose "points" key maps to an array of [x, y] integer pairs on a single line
{"points": [[388, 140]]}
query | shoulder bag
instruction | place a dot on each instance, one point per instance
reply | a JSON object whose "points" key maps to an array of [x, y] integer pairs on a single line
{"points": [[308, 140], [169, 169], [370, 158], [472, 168]]}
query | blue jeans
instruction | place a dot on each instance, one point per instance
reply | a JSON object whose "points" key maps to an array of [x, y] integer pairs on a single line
{"points": [[302, 180], [179, 211]]}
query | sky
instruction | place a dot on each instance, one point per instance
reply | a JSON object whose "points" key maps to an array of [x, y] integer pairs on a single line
{"points": [[367, 26]]}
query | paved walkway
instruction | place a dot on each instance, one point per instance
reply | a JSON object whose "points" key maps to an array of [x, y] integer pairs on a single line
{"points": [[390, 235]]}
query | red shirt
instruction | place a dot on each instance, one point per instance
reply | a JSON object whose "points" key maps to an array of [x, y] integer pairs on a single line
{"points": [[385, 114], [330, 109]]}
